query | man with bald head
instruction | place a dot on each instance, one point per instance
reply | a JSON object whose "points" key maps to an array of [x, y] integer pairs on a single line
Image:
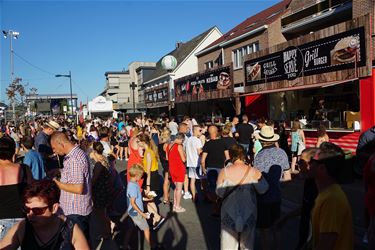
{"points": [[215, 153], [75, 198]]}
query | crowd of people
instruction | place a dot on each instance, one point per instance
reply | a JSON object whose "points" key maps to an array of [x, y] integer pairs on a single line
{"points": [[59, 188]]}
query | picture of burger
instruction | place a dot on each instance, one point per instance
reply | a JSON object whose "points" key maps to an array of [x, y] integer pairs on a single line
{"points": [[224, 81], [346, 50], [254, 72]]}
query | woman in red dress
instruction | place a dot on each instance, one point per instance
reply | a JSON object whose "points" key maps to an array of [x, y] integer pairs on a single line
{"points": [[135, 152], [176, 160]]}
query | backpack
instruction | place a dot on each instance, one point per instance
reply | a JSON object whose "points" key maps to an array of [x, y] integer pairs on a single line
{"points": [[117, 202]]}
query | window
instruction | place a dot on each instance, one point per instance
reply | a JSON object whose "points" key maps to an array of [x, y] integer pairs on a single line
{"points": [[209, 65], [239, 53]]}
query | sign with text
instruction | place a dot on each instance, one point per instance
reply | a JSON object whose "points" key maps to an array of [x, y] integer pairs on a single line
{"points": [[342, 51], [157, 95], [202, 86]]}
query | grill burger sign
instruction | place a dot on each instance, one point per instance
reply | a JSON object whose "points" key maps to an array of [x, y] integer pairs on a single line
{"points": [[333, 53]]}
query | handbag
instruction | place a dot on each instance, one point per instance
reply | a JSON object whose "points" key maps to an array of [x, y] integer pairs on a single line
{"points": [[219, 201], [301, 146]]}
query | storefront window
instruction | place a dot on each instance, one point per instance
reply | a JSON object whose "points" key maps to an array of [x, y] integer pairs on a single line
{"points": [[336, 107]]}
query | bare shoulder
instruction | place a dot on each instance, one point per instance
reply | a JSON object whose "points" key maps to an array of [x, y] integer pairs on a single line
{"points": [[255, 173]]}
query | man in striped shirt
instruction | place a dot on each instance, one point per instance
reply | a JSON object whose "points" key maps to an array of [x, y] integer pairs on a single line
{"points": [[75, 198]]}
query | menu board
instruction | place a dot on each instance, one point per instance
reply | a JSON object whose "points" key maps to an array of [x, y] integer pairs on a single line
{"points": [[338, 52]]}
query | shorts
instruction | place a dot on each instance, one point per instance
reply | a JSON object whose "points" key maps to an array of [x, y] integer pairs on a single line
{"points": [[268, 214], [154, 181], [6, 224], [124, 144], [294, 154], [193, 172], [113, 143], [140, 222]]}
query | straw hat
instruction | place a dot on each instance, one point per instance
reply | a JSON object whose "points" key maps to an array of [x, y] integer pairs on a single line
{"points": [[53, 125], [267, 133]]}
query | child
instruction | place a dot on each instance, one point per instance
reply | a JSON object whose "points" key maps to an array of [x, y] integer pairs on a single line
{"points": [[135, 202], [32, 158]]}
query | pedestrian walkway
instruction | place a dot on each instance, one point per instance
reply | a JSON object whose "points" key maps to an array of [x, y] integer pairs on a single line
{"points": [[197, 229]]}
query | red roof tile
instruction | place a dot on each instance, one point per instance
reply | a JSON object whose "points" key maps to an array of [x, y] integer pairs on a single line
{"points": [[265, 17]]}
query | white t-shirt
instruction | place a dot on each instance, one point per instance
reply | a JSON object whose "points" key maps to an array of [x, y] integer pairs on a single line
{"points": [[192, 146], [107, 148], [173, 127]]}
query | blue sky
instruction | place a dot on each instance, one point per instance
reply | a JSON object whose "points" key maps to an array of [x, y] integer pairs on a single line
{"points": [[92, 37]]}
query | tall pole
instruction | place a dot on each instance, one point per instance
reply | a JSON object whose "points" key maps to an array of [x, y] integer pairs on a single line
{"points": [[71, 91], [133, 86], [11, 34], [12, 75]]}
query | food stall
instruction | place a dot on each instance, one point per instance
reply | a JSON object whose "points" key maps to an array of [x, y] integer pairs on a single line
{"points": [[324, 78]]}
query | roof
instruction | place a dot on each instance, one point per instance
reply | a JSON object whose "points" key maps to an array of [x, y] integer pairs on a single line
{"points": [[144, 67], [116, 72], [264, 17], [50, 96], [179, 53]]}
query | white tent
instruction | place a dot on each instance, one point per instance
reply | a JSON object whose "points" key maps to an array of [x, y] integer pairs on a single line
{"points": [[100, 105]]}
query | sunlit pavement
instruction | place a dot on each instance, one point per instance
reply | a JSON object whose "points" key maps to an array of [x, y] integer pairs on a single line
{"points": [[196, 229]]}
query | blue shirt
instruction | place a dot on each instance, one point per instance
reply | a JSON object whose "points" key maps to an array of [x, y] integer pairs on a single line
{"points": [[133, 191], [35, 161], [41, 143], [120, 125]]}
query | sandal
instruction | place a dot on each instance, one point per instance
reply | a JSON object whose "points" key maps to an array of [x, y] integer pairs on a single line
{"points": [[179, 209], [158, 223]]}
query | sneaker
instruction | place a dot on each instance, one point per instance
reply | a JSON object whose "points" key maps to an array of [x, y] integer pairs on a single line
{"points": [[126, 159], [158, 224], [365, 239], [187, 196]]}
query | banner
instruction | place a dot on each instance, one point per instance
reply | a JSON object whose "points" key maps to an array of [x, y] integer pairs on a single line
{"points": [[338, 52], [157, 95], [197, 86]]}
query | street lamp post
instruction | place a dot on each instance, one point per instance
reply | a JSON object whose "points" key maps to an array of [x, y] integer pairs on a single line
{"points": [[71, 91], [12, 35], [133, 86]]}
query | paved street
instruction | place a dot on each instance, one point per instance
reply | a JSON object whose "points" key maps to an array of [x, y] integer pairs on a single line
{"points": [[196, 229]]}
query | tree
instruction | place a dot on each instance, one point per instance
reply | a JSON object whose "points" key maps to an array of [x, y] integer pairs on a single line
{"points": [[14, 89]]}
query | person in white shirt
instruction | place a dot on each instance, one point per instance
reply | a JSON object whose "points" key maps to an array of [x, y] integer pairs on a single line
{"points": [[173, 127], [193, 150]]}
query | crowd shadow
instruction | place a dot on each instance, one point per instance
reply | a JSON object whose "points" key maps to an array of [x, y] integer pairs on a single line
{"points": [[171, 235]]}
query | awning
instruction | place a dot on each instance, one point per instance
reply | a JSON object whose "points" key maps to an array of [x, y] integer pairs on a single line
{"points": [[299, 87]]}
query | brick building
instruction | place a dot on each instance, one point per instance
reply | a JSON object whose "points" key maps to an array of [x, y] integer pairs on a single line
{"points": [[323, 74], [255, 33]]}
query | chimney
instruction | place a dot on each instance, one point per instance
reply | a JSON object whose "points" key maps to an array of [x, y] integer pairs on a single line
{"points": [[178, 44]]}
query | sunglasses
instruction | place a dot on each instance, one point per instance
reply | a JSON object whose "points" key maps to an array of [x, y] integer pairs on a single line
{"points": [[36, 210]]}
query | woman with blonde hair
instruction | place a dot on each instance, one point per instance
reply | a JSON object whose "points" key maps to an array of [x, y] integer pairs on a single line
{"points": [[165, 138], [322, 136], [298, 143], [151, 179], [238, 185]]}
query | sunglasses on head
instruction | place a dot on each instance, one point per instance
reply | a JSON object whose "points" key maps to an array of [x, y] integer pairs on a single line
{"points": [[36, 210]]}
